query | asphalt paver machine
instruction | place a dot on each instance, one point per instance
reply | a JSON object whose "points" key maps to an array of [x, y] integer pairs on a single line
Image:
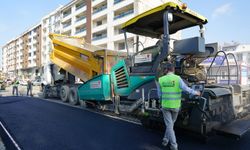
{"points": [[221, 108]]}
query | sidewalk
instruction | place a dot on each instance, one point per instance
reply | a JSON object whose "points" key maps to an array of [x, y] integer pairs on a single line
{"points": [[22, 91]]}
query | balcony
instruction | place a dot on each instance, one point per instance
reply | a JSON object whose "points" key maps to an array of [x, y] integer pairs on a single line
{"points": [[117, 1], [68, 33], [123, 4], [79, 6], [121, 15], [99, 9], [97, 2], [99, 37], [80, 18], [80, 30], [99, 28], [66, 13], [66, 25]]}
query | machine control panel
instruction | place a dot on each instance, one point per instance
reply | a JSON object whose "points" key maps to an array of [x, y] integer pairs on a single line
{"points": [[197, 87]]}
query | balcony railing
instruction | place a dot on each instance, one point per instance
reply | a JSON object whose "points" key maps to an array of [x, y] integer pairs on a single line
{"points": [[99, 37], [66, 14], [80, 6], [66, 25], [117, 1], [80, 18], [124, 14], [99, 9], [80, 30]]}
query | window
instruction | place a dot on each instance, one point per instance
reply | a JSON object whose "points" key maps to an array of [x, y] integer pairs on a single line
{"points": [[80, 5], [120, 31], [223, 75], [121, 46], [239, 57], [98, 23], [29, 54], [66, 13], [34, 53], [117, 1]]}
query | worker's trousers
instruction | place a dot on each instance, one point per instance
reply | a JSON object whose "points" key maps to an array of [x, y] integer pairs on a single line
{"points": [[170, 116], [15, 89], [29, 91]]}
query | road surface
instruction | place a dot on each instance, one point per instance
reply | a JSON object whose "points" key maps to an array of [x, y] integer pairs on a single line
{"points": [[36, 124]]}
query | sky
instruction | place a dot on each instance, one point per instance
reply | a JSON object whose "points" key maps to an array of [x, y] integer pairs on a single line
{"points": [[19, 15], [228, 20]]}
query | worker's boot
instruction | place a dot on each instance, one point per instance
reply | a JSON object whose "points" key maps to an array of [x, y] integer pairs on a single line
{"points": [[164, 143]]}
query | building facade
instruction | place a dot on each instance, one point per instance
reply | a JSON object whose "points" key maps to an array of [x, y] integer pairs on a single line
{"points": [[22, 56], [97, 21], [50, 24], [237, 70]]}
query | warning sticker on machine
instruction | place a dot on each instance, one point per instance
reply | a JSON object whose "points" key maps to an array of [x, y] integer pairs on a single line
{"points": [[143, 58], [96, 84]]}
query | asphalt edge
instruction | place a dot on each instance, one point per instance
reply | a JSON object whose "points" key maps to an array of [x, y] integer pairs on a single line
{"points": [[8, 140]]}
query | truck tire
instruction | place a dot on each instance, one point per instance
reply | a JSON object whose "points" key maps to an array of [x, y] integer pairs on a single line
{"points": [[73, 96], [45, 91], [64, 93]]}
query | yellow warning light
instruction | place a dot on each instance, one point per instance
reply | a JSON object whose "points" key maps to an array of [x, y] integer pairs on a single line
{"points": [[184, 6]]}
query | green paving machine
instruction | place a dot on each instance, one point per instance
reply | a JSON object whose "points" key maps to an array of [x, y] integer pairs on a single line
{"points": [[132, 82], [221, 108]]}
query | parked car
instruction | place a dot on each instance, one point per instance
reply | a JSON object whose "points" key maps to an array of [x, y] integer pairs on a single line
{"points": [[8, 82], [2, 85], [37, 82]]}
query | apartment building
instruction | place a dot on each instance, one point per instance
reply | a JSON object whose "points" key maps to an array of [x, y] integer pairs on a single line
{"points": [[241, 51], [9, 58], [238, 71], [32, 52], [22, 56], [50, 24], [97, 21], [4, 59]]}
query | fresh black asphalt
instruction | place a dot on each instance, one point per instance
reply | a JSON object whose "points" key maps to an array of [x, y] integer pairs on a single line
{"points": [[37, 124]]}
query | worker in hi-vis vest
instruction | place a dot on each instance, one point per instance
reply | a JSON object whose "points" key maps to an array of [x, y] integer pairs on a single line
{"points": [[15, 87], [170, 90]]}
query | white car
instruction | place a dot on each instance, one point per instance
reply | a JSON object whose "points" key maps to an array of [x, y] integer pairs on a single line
{"points": [[37, 82], [23, 82]]}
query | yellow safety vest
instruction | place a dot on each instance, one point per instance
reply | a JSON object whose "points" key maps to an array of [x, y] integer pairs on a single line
{"points": [[170, 91]]}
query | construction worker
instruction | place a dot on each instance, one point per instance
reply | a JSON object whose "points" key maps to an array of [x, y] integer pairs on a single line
{"points": [[170, 90], [29, 88], [15, 87]]}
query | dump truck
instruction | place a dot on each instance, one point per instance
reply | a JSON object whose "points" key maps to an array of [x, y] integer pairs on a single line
{"points": [[73, 58]]}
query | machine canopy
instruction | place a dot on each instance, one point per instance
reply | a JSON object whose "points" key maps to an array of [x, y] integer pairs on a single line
{"points": [[150, 23]]}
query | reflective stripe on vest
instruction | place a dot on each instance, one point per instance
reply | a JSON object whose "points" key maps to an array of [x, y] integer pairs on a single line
{"points": [[171, 91]]}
